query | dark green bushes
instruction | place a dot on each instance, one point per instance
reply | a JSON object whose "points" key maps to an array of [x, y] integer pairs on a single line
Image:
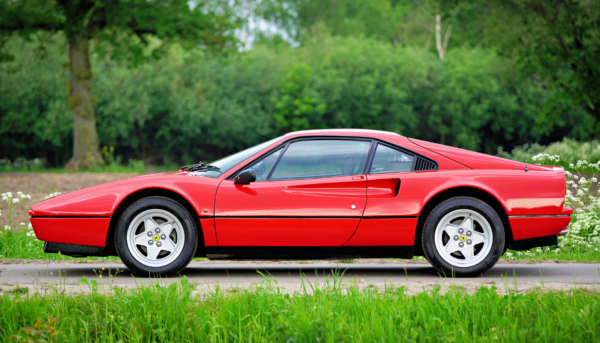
{"points": [[189, 107]]}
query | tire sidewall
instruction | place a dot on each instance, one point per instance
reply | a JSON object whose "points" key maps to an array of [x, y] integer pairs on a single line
{"points": [[430, 226], [188, 226]]}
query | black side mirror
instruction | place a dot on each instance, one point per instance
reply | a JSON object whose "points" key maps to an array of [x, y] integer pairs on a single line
{"points": [[245, 177]]}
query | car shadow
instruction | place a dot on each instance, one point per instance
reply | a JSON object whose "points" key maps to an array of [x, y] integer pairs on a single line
{"points": [[256, 273]]}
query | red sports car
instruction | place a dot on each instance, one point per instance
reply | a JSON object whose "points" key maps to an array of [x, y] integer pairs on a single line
{"points": [[313, 195]]}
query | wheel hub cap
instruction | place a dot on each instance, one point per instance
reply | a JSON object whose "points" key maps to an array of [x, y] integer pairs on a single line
{"points": [[166, 238], [463, 238]]}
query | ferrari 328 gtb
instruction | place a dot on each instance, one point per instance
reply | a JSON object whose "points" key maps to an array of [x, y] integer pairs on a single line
{"points": [[314, 195]]}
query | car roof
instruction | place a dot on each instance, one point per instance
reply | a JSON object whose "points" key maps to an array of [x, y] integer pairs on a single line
{"points": [[343, 132]]}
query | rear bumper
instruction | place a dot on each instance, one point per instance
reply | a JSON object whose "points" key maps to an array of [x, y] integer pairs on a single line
{"points": [[530, 243], [87, 231], [526, 227]]}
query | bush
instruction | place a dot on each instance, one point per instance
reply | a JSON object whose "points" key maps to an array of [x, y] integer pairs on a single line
{"points": [[569, 150], [188, 107]]}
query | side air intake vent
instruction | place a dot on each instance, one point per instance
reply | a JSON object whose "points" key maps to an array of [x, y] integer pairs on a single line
{"points": [[424, 164]]}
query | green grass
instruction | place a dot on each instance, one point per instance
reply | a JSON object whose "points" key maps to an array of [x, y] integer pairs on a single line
{"points": [[177, 313], [20, 245], [575, 255]]}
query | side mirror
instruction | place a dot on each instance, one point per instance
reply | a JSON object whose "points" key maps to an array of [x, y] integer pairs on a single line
{"points": [[245, 177]]}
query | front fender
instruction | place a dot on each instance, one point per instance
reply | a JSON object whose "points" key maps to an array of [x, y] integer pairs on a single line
{"points": [[103, 200]]}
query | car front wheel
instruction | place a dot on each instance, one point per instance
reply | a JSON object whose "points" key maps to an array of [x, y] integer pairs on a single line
{"points": [[463, 236], [156, 236]]}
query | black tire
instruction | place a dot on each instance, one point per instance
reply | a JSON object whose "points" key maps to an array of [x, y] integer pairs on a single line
{"points": [[188, 226], [428, 241]]}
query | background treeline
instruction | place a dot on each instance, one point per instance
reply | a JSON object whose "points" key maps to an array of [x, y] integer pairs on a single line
{"points": [[189, 106]]}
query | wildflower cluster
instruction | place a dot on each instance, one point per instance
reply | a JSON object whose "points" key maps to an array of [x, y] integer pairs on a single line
{"points": [[582, 196], [52, 195], [8, 197], [12, 202], [541, 157]]}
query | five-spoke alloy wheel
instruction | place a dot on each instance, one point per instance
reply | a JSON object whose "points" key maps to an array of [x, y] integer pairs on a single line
{"points": [[156, 235], [463, 236]]}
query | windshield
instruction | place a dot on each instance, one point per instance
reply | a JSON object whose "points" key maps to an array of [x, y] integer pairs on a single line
{"points": [[231, 161]]}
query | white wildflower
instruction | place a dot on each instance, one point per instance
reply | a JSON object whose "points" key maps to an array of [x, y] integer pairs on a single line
{"points": [[52, 195], [15, 200]]}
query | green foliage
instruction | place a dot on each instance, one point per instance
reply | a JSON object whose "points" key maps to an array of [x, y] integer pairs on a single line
{"points": [[133, 30], [569, 150], [400, 23], [298, 107], [328, 313], [558, 40], [189, 107]]}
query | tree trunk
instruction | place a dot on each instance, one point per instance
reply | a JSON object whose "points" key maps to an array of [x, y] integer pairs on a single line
{"points": [[85, 143], [438, 36]]}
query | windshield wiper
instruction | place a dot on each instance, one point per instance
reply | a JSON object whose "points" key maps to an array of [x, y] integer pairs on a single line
{"points": [[199, 166]]}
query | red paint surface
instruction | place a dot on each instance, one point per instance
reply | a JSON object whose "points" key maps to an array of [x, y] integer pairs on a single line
{"points": [[325, 197], [209, 232], [384, 232], [539, 191], [284, 232], [300, 200], [103, 200], [473, 159], [531, 227], [81, 231]]}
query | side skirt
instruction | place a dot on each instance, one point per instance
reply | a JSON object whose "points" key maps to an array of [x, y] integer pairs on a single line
{"points": [[307, 253], [530, 243], [73, 250]]}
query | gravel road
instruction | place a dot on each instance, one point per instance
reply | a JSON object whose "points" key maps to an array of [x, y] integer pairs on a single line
{"points": [[415, 275]]}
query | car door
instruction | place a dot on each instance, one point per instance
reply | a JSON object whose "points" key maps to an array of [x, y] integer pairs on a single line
{"points": [[384, 222], [311, 192]]}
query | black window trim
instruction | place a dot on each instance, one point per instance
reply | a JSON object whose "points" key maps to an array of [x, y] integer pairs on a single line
{"points": [[366, 169]]}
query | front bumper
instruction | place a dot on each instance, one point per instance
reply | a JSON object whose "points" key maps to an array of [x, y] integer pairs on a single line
{"points": [[87, 231]]}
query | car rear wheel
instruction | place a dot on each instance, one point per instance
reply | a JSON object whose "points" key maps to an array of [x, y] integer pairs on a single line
{"points": [[463, 236], [156, 236]]}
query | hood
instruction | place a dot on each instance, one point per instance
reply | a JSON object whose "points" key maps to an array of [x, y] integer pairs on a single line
{"points": [[476, 160]]}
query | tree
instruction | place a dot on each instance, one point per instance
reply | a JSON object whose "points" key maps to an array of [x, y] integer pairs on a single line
{"points": [[400, 22], [299, 107], [131, 30], [558, 40]]}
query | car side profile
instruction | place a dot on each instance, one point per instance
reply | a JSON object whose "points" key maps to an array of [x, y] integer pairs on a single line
{"points": [[317, 194]]}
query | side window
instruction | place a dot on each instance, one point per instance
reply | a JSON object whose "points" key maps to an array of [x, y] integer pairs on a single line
{"points": [[322, 158], [264, 166], [389, 160]]}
